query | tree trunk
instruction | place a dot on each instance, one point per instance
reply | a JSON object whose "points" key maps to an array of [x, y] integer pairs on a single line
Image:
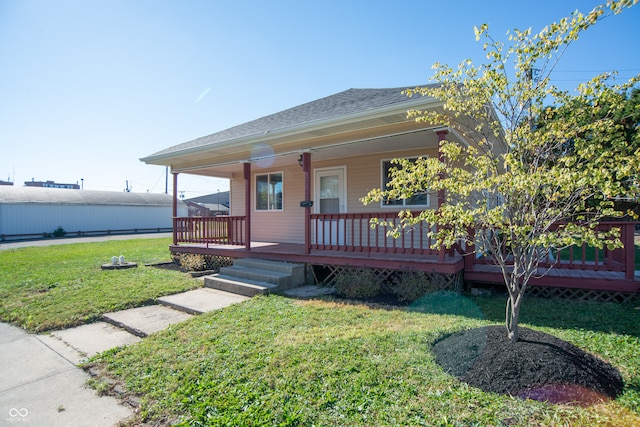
{"points": [[513, 312]]}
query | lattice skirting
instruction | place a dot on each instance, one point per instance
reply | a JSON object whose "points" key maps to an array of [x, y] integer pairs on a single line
{"points": [[582, 294], [326, 275]]}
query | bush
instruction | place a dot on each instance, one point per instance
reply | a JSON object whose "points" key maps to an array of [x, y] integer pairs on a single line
{"points": [[411, 285], [357, 283], [192, 262], [59, 232]]}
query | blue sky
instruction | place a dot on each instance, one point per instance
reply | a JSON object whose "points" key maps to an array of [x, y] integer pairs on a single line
{"points": [[88, 87]]}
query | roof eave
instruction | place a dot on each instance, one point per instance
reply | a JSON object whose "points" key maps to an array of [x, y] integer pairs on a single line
{"points": [[412, 103]]}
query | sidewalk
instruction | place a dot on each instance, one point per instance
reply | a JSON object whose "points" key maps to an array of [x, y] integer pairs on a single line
{"points": [[41, 388], [41, 384]]}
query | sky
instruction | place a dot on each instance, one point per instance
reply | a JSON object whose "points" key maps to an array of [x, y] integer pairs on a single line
{"points": [[88, 87]]}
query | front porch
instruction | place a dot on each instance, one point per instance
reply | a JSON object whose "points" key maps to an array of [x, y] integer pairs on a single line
{"points": [[347, 240]]}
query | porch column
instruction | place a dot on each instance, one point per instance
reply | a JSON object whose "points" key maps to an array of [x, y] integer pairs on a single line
{"points": [[247, 205], [442, 135], [306, 168], [174, 214]]}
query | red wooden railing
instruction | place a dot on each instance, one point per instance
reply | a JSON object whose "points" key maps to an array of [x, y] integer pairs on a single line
{"points": [[583, 257], [353, 233], [220, 230]]}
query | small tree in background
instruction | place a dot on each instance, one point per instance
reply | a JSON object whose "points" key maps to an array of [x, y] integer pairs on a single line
{"points": [[564, 162]]}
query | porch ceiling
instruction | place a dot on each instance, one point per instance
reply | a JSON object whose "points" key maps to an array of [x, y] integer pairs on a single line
{"points": [[263, 155]]}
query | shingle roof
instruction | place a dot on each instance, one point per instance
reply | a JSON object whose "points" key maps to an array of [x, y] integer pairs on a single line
{"points": [[341, 104], [36, 195]]}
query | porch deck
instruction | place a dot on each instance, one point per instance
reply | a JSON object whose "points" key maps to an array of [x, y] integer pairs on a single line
{"points": [[350, 241], [293, 252], [602, 280]]}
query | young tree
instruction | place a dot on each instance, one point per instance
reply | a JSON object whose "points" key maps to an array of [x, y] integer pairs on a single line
{"points": [[564, 160]]}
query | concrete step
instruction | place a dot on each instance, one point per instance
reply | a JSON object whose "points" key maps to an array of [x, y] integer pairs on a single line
{"points": [[296, 271], [246, 287], [281, 280], [201, 300]]}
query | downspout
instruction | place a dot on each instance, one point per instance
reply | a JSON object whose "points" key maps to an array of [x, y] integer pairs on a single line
{"points": [[306, 168], [174, 217], [247, 205]]}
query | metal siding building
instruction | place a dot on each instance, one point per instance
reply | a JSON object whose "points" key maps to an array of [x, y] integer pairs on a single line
{"points": [[30, 210]]}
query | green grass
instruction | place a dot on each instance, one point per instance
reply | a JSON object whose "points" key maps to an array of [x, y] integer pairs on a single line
{"points": [[278, 361], [44, 288]]}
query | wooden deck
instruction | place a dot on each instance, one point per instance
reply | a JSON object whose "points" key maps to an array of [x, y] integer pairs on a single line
{"points": [[481, 273], [352, 242], [296, 253], [562, 278]]}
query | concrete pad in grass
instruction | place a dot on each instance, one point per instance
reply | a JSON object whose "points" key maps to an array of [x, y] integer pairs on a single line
{"points": [[88, 340], [202, 300], [143, 321]]}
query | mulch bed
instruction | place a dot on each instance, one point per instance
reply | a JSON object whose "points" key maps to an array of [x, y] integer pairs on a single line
{"points": [[177, 267], [169, 266], [539, 366]]}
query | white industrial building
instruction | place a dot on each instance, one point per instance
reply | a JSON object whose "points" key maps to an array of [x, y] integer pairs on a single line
{"points": [[28, 211]]}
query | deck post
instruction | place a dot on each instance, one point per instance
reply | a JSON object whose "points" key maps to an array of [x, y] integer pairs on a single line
{"points": [[247, 205], [629, 249], [174, 212], [306, 167]]}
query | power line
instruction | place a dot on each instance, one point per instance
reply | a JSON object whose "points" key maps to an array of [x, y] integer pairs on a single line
{"points": [[597, 71]]}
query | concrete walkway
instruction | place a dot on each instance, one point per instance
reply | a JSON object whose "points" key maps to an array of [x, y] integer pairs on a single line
{"points": [[40, 387], [41, 384]]}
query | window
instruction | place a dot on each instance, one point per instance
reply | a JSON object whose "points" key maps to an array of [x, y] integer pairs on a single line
{"points": [[269, 192], [420, 199]]}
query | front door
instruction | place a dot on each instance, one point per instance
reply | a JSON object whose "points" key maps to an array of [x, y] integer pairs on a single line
{"points": [[330, 191]]}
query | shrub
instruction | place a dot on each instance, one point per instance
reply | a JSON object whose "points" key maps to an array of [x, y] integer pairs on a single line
{"points": [[411, 285], [59, 232], [192, 262], [357, 283]]}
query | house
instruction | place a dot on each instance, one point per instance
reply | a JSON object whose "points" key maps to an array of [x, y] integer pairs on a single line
{"points": [[296, 180], [50, 184], [209, 205], [34, 212]]}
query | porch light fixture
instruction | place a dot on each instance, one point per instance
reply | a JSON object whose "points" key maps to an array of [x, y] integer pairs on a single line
{"points": [[300, 161]]}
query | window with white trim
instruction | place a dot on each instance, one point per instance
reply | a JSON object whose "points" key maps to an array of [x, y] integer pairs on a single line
{"points": [[419, 199], [269, 191]]}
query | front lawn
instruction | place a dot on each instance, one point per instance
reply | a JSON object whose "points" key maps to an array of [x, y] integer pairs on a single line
{"points": [[279, 361], [43, 288]]}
